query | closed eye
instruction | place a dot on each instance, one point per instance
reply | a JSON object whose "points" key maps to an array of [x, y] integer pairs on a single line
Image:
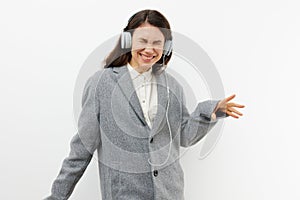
{"points": [[157, 42], [143, 40]]}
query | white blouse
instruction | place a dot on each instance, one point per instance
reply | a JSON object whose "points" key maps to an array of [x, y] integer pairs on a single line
{"points": [[146, 90]]}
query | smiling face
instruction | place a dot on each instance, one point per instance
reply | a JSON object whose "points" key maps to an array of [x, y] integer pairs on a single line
{"points": [[147, 47]]}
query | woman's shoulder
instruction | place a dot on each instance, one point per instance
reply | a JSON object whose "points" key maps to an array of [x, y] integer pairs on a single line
{"points": [[100, 74]]}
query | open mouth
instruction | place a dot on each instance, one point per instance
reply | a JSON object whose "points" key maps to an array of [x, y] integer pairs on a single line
{"points": [[146, 58]]}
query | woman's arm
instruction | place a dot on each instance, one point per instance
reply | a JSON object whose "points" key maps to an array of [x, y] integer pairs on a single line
{"points": [[82, 145], [196, 125]]}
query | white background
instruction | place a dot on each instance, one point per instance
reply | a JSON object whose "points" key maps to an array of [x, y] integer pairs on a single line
{"points": [[255, 46]]}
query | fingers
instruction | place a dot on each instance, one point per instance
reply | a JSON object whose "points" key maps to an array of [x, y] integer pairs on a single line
{"points": [[235, 105], [230, 98], [235, 111], [229, 107], [231, 114]]}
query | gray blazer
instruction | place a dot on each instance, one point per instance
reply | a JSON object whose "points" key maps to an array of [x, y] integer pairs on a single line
{"points": [[135, 162]]}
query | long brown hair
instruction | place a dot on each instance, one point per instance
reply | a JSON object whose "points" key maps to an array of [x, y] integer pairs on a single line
{"points": [[119, 57]]}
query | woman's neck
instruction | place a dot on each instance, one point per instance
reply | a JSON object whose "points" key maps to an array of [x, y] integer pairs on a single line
{"points": [[140, 69]]}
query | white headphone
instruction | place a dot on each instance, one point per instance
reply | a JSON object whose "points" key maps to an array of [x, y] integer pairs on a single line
{"points": [[126, 43]]}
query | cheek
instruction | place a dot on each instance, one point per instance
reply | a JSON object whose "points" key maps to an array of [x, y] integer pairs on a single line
{"points": [[134, 54], [159, 52], [137, 47], [159, 49]]}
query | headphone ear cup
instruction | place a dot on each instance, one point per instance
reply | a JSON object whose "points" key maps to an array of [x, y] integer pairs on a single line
{"points": [[168, 47], [125, 40]]}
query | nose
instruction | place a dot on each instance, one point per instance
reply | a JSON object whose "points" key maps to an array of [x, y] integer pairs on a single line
{"points": [[149, 48]]}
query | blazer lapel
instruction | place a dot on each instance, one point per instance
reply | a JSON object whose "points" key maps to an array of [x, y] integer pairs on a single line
{"points": [[162, 99], [124, 81]]}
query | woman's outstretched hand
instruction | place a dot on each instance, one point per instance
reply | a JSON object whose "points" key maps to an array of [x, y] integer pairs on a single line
{"points": [[228, 107]]}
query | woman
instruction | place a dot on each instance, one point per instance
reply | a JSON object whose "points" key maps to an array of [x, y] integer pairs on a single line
{"points": [[133, 113]]}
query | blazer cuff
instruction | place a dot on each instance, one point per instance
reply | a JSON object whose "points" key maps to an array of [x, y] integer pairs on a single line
{"points": [[206, 108]]}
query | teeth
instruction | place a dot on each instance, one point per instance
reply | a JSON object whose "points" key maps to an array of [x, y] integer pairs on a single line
{"points": [[146, 57]]}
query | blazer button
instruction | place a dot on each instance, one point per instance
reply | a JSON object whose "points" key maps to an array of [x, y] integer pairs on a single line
{"points": [[155, 173], [151, 140]]}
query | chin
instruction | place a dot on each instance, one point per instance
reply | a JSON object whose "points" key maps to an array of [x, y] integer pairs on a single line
{"points": [[146, 66]]}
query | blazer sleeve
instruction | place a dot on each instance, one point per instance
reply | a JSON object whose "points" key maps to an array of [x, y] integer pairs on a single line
{"points": [[196, 125], [82, 145]]}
